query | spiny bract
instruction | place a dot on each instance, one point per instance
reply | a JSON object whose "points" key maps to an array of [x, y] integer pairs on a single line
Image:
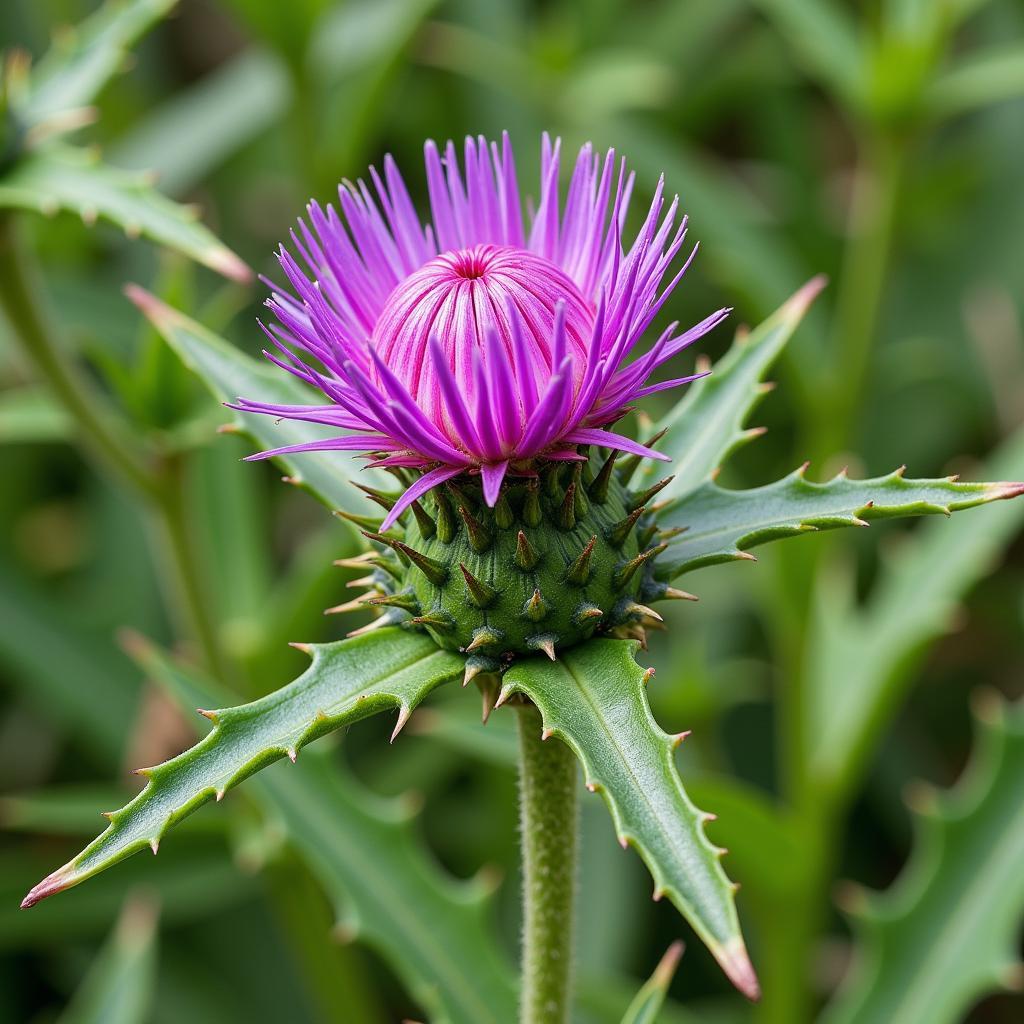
{"points": [[563, 555]]}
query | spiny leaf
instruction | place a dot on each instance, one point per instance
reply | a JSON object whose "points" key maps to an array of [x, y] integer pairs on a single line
{"points": [[708, 423], [861, 658], [650, 999], [594, 699], [60, 177], [433, 930], [347, 681], [946, 932], [83, 59], [719, 525], [229, 373], [119, 986]]}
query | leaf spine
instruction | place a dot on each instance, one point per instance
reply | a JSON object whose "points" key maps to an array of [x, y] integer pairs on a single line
{"points": [[579, 571], [481, 594], [479, 537], [526, 557]]}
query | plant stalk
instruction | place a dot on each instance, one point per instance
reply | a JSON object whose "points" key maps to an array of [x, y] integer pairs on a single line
{"points": [[31, 327], [549, 825], [157, 482]]}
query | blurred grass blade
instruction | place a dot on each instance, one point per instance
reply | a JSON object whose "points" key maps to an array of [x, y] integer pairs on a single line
{"points": [[30, 415], [229, 374], [77, 678], [719, 525], [347, 681], [196, 130], [826, 40], [650, 999], [120, 984], [60, 177], [946, 932], [83, 59], [433, 930], [593, 698], [977, 81], [860, 659], [707, 424]]}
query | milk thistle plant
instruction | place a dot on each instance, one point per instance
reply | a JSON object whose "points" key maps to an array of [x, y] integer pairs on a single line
{"points": [[485, 359]]}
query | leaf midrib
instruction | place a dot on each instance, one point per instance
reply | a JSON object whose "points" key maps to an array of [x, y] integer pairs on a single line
{"points": [[953, 928]]}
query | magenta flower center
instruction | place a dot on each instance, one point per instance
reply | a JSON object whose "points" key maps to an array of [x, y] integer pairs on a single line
{"points": [[463, 298]]}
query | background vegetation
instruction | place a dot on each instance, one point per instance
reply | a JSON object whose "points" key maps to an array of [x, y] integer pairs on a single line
{"points": [[879, 143]]}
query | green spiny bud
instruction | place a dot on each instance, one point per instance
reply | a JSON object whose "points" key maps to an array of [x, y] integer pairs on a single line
{"points": [[555, 560]]}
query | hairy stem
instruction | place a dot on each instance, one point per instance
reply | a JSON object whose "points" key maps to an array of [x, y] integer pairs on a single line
{"points": [[549, 826]]}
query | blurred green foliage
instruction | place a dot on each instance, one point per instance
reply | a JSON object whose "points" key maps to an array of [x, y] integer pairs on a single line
{"points": [[878, 143]]}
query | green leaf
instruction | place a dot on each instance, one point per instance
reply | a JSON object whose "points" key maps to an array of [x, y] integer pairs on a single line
{"points": [[433, 930], [708, 423], [199, 127], [860, 659], [594, 699], [347, 681], [650, 999], [68, 672], [946, 932], [60, 177], [977, 81], [119, 986], [825, 38], [719, 525], [230, 374], [83, 59], [31, 415]]}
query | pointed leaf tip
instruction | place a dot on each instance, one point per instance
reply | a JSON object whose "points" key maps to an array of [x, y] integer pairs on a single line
{"points": [[57, 881], [738, 968]]}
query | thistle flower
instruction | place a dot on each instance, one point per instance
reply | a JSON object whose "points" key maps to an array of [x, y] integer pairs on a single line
{"points": [[478, 343]]}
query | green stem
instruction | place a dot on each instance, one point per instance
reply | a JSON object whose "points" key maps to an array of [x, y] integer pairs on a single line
{"points": [[549, 826], [160, 484], [29, 324], [877, 182], [182, 565]]}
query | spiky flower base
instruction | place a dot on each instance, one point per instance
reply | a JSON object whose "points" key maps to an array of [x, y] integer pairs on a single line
{"points": [[563, 555]]}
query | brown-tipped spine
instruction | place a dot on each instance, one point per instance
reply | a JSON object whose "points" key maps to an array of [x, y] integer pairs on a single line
{"points": [[637, 500], [526, 557], [426, 524], [383, 498], [586, 614], [598, 490], [435, 620], [566, 518], [363, 522], [619, 533], [629, 465], [435, 571], [543, 642], [479, 537], [536, 607], [406, 601], [626, 572], [579, 572], [480, 593], [485, 636]]}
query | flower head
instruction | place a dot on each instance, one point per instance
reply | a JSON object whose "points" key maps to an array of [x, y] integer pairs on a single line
{"points": [[478, 343]]}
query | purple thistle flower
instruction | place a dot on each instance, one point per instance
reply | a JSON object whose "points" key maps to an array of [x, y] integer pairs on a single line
{"points": [[478, 343]]}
